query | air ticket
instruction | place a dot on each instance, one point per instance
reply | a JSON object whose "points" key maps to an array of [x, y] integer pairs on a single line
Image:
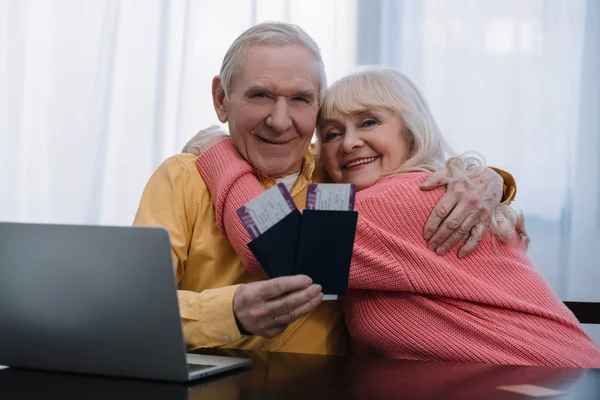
{"points": [[264, 211], [331, 196]]}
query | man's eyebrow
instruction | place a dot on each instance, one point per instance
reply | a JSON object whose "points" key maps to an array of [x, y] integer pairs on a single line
{"points": [[308, 94], [256, 89]]}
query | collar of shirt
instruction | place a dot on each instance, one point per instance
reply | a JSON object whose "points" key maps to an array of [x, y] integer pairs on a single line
{"points": [[305, 176]]}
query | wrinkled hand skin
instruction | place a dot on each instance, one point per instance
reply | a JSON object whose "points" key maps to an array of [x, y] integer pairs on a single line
{"points": [[266, 308], [204, 139], [463, 212]]}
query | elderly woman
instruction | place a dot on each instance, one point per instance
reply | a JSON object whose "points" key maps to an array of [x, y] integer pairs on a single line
{"points": [[377, 132]]}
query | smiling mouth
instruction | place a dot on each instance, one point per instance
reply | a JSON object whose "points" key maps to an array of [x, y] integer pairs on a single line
{"points": [[275, 142], [360, 162]]}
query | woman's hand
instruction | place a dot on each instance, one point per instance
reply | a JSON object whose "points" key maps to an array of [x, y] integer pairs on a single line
{"points": [[204, 139], [463, 212]]}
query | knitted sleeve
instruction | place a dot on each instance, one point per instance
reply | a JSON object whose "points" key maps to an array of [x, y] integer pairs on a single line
{"points": [[226, 172], [232, 184]]}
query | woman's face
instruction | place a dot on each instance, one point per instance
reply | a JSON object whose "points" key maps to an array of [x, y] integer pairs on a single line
{"points": [[361, 147]]}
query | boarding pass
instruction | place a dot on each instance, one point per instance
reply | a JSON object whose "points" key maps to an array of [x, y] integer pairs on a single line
{"points": [[331, 196], [264, 211]]}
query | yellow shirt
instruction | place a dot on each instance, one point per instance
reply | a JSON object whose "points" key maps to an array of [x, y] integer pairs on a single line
{"points": [[208, 271]]}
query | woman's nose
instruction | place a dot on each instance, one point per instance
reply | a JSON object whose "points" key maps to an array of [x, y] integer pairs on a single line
{"points": [[351, 141]]}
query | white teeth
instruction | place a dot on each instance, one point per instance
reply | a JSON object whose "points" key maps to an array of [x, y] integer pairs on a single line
{"points": [[359, 162]]}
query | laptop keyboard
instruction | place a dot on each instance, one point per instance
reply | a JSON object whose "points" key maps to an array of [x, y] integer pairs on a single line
{"points": [[198, 367]]}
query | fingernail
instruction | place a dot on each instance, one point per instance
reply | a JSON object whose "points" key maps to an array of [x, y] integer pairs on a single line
{"points": [[461, 254], [440, 251], [432, 246], [319, 288], [428, 235]]}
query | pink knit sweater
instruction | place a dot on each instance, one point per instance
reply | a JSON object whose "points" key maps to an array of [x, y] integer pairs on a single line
{"points": [[405, 301]]}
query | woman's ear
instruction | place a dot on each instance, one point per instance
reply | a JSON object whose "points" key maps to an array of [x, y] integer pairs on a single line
{"points": [[218, 95]]}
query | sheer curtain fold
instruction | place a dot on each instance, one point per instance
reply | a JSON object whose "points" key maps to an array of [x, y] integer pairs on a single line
{"points": [[583, 278]]}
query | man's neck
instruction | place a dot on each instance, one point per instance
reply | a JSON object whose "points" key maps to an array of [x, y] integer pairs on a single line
{"points": [[288, 180]]}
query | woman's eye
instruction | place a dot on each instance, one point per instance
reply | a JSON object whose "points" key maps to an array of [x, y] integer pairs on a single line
{"points": [[332, 136], [369, 122]]}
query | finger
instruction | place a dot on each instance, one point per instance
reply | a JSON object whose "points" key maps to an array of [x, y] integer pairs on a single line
{"points": [[276, 287], [441, 210], [190, 147], [297, 308], [434, 180], [455, 237], [197, 138], [285, 304], [306, 308], [193, 149], [477, 233], [194, 144], [452, 222]]}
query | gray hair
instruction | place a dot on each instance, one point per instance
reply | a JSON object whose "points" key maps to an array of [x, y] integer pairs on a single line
{"points": [[271, 34], [375, 86], [383, 87]]}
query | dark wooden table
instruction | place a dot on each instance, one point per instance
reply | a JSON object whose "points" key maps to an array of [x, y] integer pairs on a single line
{"points": [[307, 377]]}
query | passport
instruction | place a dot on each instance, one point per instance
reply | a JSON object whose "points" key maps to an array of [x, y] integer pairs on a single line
{"points": [[317, 243]]}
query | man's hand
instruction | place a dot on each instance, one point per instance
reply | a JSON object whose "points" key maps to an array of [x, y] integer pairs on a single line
{"points": [[204, 139], [266, 308], [463, 212]]}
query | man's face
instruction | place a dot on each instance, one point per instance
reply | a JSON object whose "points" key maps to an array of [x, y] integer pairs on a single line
{"points": [[272, 107]]}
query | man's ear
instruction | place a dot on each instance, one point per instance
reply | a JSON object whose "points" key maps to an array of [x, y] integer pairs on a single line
{"points": [[218, 95]]}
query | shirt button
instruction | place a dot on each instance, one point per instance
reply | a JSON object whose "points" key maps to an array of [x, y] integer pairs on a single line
{"points": [[225, 338]]}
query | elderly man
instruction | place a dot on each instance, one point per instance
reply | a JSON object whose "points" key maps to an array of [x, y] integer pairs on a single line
{"points": [[269, 89]]}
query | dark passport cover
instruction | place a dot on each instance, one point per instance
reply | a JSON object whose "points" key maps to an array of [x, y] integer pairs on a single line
{"points": [[325, 248], [276, 248]]}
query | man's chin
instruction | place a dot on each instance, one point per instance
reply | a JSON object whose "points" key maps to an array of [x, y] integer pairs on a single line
{"points": [[277, 169]]}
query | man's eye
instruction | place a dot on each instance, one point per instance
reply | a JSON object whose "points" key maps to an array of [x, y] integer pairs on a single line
{"points": [[369, 122], [301, 99], [258, 95]]}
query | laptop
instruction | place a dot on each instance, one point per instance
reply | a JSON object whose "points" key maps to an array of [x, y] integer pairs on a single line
{"points": [[94, 300]]}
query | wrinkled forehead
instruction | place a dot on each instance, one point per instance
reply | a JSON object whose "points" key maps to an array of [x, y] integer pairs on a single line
{"points": [[292, 66]]}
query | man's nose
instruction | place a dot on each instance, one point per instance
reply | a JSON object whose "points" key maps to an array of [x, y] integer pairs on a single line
{"points": [[280, 119], [351, 141]]}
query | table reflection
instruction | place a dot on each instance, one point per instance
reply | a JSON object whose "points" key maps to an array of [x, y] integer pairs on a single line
{"points": [[310, 377]]}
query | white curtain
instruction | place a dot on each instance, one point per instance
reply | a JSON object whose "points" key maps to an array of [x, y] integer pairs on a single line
{"points": [[517, 80], [94, 95]]}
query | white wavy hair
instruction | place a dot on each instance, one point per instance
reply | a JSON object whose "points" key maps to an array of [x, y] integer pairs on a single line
{"points": [[270, 34], [377, 87]]}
